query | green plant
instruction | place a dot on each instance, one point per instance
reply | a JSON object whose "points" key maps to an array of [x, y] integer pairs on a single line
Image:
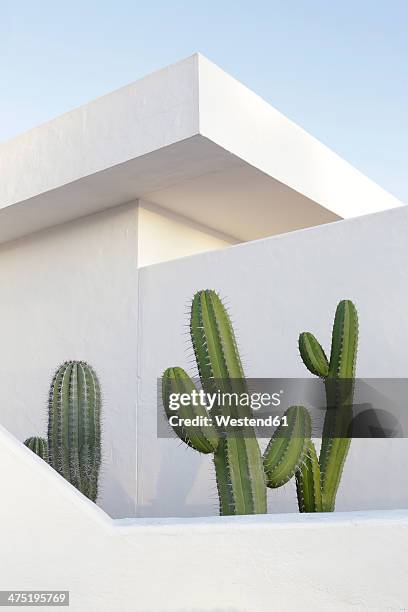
{"points": [[39, 446], [239, 466], [285, 453], [74, 431], [318, 480]]}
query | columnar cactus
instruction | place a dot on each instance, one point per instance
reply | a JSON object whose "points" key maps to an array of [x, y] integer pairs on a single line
{"points": [[39, 446], [74, 429], [338, 375], [239, 466]]}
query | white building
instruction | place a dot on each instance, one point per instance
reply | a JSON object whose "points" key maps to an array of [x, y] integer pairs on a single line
{"points": [[189, 162]]}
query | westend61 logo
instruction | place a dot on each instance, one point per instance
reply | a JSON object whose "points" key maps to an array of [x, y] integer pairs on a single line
{"points": [[225, 400]]}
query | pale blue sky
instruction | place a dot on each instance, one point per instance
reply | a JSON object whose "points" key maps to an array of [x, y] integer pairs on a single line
{"points": [[339, 69]]}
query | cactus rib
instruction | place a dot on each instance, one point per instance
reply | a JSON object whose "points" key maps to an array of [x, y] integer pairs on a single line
{"points": [[39, 446]]}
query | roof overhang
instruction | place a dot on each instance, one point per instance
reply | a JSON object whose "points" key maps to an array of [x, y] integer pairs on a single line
{"points": [[192, 139]]}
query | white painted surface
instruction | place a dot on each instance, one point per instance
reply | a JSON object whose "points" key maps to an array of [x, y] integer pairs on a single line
{"points": [[71, 293], [178, 124], [240, 121], [164, 236], [242, 202], [275, 289], [53, 538], [147, 115]]}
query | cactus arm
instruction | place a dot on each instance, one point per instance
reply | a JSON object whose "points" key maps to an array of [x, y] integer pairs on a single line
{"points": [[202, 439], [313, 355], [38, 446], [344, 341], [308, 485], [339, 394], [286, 449]]}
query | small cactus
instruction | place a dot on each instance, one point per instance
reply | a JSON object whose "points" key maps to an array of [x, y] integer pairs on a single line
{"points": [[338, 375], [74, 430], [239, 466], [39, 446]]}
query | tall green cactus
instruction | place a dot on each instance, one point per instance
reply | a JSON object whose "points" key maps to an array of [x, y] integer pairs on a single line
{"points": [[338, 375], [239, 466], [74, 431], [39, 446]]}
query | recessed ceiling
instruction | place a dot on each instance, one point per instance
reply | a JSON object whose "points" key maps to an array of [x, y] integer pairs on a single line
{"points": [[242, 202]]}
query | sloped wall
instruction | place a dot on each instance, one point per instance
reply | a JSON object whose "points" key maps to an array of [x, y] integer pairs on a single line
{"points": [[71, 293], [54, 538], [275, 289]]}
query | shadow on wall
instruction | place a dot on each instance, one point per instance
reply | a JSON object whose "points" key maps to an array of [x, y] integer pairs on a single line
{"points": [[188, 473]]}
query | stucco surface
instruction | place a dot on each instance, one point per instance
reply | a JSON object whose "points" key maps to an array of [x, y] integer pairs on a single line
{"points": [[275, 288], [53, 538], [71, 293], [164, 235]]}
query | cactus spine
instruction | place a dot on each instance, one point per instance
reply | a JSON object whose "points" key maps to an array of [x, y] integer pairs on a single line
{"points": [[74, 426], [39, 446], [338, 375], [239, 466]]}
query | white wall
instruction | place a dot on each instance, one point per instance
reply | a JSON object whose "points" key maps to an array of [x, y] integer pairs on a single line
{"points": [[276, 288], [71, 293], [53, 538], [164, 235]]}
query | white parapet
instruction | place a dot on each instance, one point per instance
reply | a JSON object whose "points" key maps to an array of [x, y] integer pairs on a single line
{"points": [[54, 538]]}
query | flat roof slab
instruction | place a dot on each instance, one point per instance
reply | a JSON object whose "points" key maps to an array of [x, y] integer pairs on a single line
{"points": [[181, 135]]}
